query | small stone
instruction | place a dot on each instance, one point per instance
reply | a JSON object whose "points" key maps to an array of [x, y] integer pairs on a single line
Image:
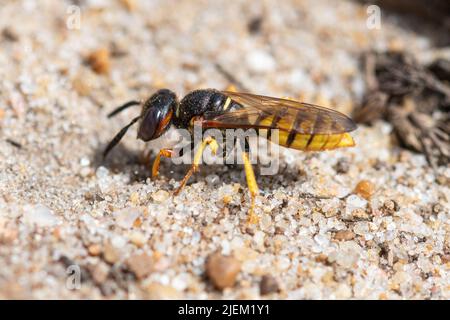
{"points": [[443, 180], [343, 165], [445, 258], [94, 249], [9, 34], [260, 61], [138, 239], [156, 291], [365, 189], [8, 234], [437, 208], [390, 206], [39, 215], [84, 162], [344, 235], [355, 204], [85, 172], [227, 199], [110, 253], [141, 265], [118, 241], [265, 222], [99, 272], [212, 179], [360, 214], [99, 60], [268, 285], [130, 5], [222, 270], [347, 255], [354, 201], [102, 173], [322, 258], [160, 196], [134, 198], [126, 217], [83, 83]]}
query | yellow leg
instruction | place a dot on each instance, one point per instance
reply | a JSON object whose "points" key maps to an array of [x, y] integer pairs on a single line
{"points": [[162, 153], [197, 158], [252, 186]]}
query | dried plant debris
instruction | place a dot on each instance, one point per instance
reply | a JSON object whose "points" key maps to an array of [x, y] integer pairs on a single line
{"points": [[415, 99]]}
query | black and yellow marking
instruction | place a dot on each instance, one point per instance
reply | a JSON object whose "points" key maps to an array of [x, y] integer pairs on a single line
{"points": [[290, 137], [227, 104], [293, 133]]}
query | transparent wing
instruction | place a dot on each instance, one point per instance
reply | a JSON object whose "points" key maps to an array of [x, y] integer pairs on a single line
{"points": [[273, 113]]}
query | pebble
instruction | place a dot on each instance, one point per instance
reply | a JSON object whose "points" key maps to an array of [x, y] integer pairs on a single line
{"points": [[110, 253], [344, 235], [134, 198], [390, 206], [99, 60], [347, 255], [268, 285], [84, 162], [126, 217], [99, 272], [353, 203], [156, 291], [39, 215], [212, 179], [85, 172], [260, 61], [222, 270], [365, 189], [138, 239], [160, 196], [227, 199], [141, 265], [8, 235], [94, 249], [343, 165], [130, 5], [118, 241]]}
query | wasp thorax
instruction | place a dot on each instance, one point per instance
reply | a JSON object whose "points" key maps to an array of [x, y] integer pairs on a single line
{"points": [[157, 114]]}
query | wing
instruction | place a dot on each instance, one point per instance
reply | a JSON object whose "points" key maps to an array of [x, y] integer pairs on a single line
{"points": [[261, 112]]}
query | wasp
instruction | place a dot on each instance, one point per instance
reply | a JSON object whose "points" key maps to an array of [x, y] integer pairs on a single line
{"points": [[301, 126]]}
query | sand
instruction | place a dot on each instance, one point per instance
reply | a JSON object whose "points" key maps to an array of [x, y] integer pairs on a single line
{"points": [[75, 226]]}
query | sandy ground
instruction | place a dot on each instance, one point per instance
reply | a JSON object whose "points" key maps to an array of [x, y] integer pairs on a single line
{"points": [[64, 210]]}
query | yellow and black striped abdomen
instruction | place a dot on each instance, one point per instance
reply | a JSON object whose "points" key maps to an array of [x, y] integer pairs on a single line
{"points": [[291, 138], [316, 142], [300, 125]]}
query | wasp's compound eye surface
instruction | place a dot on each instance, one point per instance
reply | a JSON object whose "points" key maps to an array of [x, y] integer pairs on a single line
{"points": [[157, 114]]}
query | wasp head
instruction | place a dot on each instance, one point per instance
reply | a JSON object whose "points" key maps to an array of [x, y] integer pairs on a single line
{"points": [[157, 114], [155, 117]]}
